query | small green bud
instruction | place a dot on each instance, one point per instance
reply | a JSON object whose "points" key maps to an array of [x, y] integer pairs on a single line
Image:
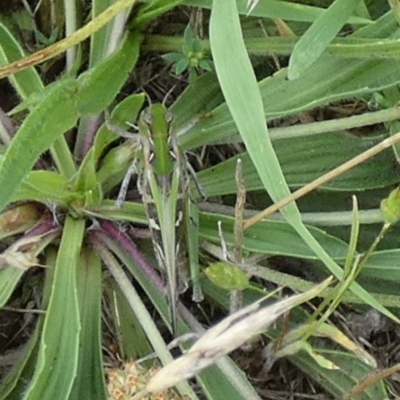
{"points": [[227, 276], [390, 207]]}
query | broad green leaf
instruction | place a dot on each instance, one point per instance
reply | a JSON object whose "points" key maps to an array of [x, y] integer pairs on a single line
{"points": [[116, 162], [328, 80], [123, 113], [89, 382], [115, 165], [271, 237], [101, 84], [300, 166], [198, 98], [318, 36], [100, 39], [48, 120], [239, 85], [15, 383], [126, 324], [44, 186], [58, 354], [383, 265]]}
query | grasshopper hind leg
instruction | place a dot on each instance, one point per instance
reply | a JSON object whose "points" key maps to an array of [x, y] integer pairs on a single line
{"points": [[125, 184]]}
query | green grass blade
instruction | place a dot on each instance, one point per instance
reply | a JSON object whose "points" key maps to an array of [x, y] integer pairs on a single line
{"points": [[9, 278], [89, 382], [26, 82], [279, 9], [244, 100], [319, 35]]}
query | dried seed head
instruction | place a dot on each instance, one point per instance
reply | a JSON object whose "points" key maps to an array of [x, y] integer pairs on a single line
{"points": [[125, 382]]}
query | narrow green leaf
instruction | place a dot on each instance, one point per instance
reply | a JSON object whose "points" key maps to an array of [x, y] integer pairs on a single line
{"points": [[89, 382], [25, 82], [126, 323], [100, 39], [58, 355], [285, 10], [319, 35], [153, 10], [9, 278]]}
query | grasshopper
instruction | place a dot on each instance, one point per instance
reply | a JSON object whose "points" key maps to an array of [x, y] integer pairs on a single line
{"points": [[163, 181]]}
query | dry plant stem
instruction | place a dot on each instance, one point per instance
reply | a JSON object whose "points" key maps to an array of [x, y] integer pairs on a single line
{"points": [[324, 179], [370, 380], [64, 44], [236, 296], [239, 208], [224, 247]]}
